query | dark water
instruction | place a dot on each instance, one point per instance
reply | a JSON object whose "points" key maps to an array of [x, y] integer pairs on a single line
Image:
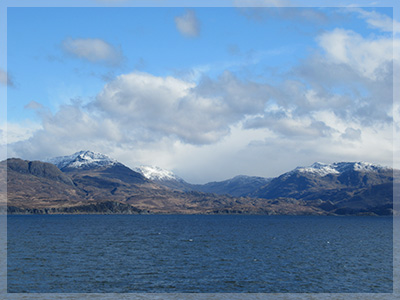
{"points": [[199, 254]]}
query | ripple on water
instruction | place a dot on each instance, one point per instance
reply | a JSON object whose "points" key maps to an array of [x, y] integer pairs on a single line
{"points": [[199, 254]]}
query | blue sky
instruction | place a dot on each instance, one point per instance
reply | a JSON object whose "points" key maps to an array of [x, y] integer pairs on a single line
{"points": [[149, 42], [208, 92]]}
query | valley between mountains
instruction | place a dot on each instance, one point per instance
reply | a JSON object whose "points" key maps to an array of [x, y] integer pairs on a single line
{"points": [[90, 182]]}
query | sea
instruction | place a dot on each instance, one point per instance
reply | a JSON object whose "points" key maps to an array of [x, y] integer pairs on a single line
{"points": [[199, 254]]}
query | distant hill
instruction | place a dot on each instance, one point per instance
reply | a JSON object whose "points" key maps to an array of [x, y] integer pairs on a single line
{"points": [[90, 182], [238, 186]]}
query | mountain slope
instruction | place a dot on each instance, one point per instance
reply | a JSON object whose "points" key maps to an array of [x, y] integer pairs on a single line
{"points": [[37, 185], [38, 169]]}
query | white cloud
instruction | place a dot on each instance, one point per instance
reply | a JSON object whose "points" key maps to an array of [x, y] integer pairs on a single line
{"points": [[352, 76], [152, 107], [72, 127], [291, 127], [369, 57], [93, 50], [188, 24], [379, 21], [14, 132]]}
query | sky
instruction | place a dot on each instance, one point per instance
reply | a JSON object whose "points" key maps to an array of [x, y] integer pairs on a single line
{"points": [[206, 92]]}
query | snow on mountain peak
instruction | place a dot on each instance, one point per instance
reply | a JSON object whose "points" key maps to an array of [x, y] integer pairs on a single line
{"points": [[318, 168], [82, 159], [365, 166], [156, 173], [359, 166], [323, 169]]}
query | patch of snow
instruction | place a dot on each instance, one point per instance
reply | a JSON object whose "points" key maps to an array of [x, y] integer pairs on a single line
{"points": [[359, 166], [156, 173], [364, 166], [318, 168]]}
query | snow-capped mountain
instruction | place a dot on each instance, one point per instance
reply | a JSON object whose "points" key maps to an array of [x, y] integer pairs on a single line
{"points": [[96, 169], [82, 160], [342, 183]]}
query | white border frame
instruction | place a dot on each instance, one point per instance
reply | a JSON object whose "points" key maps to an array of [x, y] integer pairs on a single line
{"points": [[395, 4]]}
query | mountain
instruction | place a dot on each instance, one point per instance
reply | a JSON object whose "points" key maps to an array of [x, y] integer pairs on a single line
{"points": [[88, 167], [96, 167], [239, 186], [346, 186]]}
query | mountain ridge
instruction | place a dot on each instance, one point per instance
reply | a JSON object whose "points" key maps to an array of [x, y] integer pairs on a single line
{"points": [[86, 179], [338, 167], [90, 159]]}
